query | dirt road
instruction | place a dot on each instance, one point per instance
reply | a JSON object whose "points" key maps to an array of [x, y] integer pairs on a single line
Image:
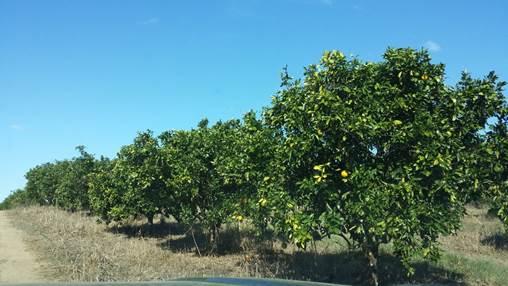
{"points": [[17, 264]]}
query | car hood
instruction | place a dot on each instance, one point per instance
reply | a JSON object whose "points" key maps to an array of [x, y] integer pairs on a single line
{"points": [[210, 281]]}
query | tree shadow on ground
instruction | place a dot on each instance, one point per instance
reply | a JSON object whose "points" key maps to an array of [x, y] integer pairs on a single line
{"points": [[497, 240], [259, 258], [156, 230], [344, 268], [230, 241]]}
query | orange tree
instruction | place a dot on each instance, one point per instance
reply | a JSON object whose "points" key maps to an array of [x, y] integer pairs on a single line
{"points": [[42, 182], [72, 190], [205, 192], [15, 199], [176, 149], [61, 183], [135, 182], [376, 152], [496, 165], [244, 166], [103, 191]]}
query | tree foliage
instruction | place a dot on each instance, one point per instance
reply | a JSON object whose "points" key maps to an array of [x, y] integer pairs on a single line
{"points": [[204, 186], [374, 152], [103, 192], [138, 180], [62, 183], [16, 198], [378, 152], [495, 167], [72, 190]]}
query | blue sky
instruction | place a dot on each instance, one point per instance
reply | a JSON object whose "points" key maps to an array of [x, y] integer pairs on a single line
{"points": [[94, 73]]}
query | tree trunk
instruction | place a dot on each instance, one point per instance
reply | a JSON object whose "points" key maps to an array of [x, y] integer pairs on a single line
{"points": [[371, 252], [217, 237], [149, 217], [213, 239]]}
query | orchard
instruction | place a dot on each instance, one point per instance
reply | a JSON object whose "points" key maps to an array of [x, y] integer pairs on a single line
{"points": [[374, 152]]}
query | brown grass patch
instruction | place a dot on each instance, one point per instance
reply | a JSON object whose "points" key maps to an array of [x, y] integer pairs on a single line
{"points": [[79, 249], [482, 236], [76, 248]]}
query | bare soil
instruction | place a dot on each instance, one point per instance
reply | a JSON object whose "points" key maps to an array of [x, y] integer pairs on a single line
{"points": [[17, 263]]}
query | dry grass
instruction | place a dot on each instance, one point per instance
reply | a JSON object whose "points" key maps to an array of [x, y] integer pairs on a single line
{"points": [[479, 251], [478, 236], [79, 249]]}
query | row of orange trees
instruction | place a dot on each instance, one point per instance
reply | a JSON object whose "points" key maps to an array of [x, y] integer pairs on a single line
{"points": [[374, 152]]}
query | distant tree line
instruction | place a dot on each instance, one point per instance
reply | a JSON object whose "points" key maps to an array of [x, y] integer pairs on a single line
{"points": [[376, 153]]}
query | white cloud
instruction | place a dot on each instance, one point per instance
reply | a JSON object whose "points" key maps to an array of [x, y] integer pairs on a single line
{"points": [[432, 46], [16, 126], [151, 21]]}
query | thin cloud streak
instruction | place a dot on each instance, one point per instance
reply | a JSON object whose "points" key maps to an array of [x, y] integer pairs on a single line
{"points": [[151, 21], [432, 46], [15, 126]]}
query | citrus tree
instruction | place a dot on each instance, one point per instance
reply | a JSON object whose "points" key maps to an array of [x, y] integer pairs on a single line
{"points": [[376, 152], [103, 193], [137, 183], [247, 168], [206, 190], [14, 199], [61, 183], [496, 167], [72, 190], [42, 182], [176, 149]]}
